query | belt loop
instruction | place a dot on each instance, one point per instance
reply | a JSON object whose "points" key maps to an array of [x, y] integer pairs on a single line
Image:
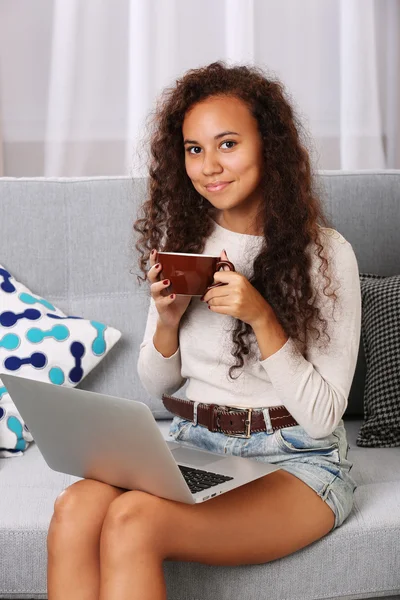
{"points": [[195, 405], [267, 420]]}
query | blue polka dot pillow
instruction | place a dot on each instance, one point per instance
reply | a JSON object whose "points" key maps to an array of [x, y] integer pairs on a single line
{"points": [[38, 341]]}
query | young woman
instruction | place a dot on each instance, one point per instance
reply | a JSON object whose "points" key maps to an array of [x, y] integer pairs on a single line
{"points": [[229, 176]]}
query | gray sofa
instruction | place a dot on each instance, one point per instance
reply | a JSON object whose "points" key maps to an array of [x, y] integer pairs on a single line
{"points": [[53, 233]]}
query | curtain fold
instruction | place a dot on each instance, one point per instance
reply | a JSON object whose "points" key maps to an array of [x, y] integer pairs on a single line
{"points": [[361, 135], [62, 85], [239, 29]]}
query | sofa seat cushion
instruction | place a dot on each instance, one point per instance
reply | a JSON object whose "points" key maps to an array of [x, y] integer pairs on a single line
{"points": [[368, 538]]}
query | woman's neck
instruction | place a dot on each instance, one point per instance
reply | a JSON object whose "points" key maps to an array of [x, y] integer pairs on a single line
{"points": [[238, 225]]}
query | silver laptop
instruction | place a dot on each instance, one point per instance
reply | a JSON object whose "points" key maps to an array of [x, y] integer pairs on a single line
{"points": [[117, 441]]}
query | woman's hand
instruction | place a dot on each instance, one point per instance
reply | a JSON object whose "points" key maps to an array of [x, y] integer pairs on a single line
{"points": [[170, 308], [238, 298]]}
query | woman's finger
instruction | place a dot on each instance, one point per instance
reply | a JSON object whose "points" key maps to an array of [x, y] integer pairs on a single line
{"points": [[157, 288], [153, 257], [224, 256], [154, 272]]}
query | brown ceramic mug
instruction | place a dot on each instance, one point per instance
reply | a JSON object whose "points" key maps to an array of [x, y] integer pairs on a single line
{"points": [[190, 274]]}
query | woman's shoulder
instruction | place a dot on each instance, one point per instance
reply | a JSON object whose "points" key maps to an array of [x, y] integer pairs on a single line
{"points": [[333, 234], [338, 251]]}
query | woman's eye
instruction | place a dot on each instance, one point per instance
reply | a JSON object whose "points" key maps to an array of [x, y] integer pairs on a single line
{"points": [[228, 142], [192, 147]]}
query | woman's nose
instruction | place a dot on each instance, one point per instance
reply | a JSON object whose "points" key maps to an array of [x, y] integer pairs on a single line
{"points": [[211, 165]]}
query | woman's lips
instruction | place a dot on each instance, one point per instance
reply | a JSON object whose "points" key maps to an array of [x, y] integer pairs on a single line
{"points": [[217, 188]]}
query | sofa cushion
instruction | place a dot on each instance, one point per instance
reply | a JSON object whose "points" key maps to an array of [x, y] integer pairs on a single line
{"points": [[29, 488], [38, 341], [380, 330]]}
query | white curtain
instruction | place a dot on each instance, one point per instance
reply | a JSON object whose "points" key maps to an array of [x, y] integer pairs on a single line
{"points": [[78, 79]]}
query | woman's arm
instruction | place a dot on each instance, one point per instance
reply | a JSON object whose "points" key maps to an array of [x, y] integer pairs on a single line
{"points": [[270, 336], [159, 363], [166, 339], [315, 391]]}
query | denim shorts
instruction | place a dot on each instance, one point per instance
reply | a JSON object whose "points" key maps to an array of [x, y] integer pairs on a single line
{"points": [[321, 463]]}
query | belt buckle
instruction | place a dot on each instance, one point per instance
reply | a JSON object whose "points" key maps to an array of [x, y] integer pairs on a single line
{"points": [[246, 434]]}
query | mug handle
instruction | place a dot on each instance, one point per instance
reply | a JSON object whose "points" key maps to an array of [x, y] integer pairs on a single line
{"points": [[220, 263]]}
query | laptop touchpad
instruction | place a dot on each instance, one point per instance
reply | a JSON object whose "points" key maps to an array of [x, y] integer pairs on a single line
{"points": [[195, 458]]}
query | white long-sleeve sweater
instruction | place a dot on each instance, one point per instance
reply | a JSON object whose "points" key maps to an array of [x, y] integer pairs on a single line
{"points": [[314, 391]]}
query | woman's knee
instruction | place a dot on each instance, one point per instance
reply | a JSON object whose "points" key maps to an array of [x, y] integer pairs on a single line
{"points": [[82, 505], [135, 515]]}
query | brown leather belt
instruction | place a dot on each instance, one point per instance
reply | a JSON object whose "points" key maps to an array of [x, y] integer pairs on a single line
{"points": [[230, 420]]}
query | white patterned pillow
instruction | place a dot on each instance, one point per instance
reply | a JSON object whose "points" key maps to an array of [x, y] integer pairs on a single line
{"points": [[38, 341], [380, 330]]}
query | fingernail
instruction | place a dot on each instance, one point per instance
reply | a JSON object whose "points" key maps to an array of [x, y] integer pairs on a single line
{"points": [[153, 252], [157, 265], [165, 281]]}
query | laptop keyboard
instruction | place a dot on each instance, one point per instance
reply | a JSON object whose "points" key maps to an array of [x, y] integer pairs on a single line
{"points": [[199, 480]]}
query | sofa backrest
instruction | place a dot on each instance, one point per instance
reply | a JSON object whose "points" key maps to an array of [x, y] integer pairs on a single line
{"points": [[70, 240], [364, 206]]}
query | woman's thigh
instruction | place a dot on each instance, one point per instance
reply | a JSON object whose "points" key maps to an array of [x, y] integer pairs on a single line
{"points": [[320, 463], [264, 520]]}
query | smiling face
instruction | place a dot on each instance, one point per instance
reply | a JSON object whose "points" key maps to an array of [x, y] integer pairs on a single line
{"points": [[234, 157]]}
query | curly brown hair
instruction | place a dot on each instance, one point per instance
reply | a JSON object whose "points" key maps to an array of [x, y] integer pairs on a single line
{"points": [[176, 218]]}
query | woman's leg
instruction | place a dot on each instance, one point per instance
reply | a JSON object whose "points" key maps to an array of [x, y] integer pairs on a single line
{"points": [[73, 540], [261, 521], [132, 548]]}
